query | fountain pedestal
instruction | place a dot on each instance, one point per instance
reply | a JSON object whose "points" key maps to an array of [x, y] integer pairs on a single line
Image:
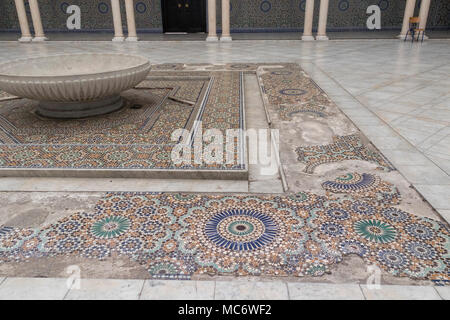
{"points": [[74, 86]]}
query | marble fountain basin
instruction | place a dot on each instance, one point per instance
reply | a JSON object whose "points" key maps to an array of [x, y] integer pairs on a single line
{"points": [[75, 85]]}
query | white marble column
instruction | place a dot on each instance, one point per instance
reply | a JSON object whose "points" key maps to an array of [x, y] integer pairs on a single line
{"points": [[117, 19], [212, 21], [226, 35], [37, 22], [323, 16], [309, 14], [409, 12], [23, 21], [131, 21], [423, 14]]}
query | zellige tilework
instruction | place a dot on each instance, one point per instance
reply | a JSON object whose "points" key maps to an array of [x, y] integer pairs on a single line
{"points": [[344, 148], [136, 137], [178, 236]]}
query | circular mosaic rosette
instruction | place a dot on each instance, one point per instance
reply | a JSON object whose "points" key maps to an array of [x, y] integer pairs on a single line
{"points": [[251, 235], [176, 236], [128, 224], [398, 242], [364, 186]]}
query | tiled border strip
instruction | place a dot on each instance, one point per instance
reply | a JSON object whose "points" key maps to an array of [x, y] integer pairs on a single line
{"points": [[114, 289], [409, 161]]}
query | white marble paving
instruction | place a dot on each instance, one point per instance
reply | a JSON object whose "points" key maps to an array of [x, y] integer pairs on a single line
{"points": [[322, 291], [33, 289], [401, 293], [444, 292], [98, 289], [178, 290], [116, 289], [436, 195], [248, 290], [444, 213]]}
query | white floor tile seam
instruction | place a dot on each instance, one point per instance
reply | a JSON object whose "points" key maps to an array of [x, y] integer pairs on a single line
{"points": [[438, 133], [239, 290], [444, 122], [317, 74], [402, 78]]}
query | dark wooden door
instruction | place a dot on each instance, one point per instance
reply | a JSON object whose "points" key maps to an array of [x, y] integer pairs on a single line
{"points": [[184, 15]]}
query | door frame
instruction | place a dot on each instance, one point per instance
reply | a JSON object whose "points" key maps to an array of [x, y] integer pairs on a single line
{"points": [[203, 20]]}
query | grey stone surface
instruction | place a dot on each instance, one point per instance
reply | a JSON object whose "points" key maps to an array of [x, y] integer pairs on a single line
{"points": [[249, 290], [444, 292], [33, 289], [98, 289], [324, 291], [400, 293], [178, 290], [437, 195], [33, 209]]}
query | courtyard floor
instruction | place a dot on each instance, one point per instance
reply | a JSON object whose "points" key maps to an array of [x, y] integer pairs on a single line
{"points": [[362, 182]]}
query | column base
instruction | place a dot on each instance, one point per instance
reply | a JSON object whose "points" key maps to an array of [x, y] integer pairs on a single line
{"points": [[118, 39], [39, 39], [226, 38], [307, 38], [212, 38], [25, 39], [402, 37], [322, 38], [132, 39]]}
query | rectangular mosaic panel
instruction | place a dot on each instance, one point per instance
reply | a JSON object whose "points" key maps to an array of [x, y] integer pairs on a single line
{"points": [[136, 137]]}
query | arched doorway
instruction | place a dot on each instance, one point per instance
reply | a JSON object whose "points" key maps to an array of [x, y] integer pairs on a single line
{"points": [[184, 15]]}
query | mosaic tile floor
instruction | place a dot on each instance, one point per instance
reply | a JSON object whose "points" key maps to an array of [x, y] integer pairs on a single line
{"points": [[180, 236], [136, 137], [343, 148], [177, 236]]}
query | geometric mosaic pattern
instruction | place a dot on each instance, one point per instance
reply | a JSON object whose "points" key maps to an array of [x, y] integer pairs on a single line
{"points": [[396, 241], [177, 236], [343, 148], [366, 187], [136, 137], [290, 91]]}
